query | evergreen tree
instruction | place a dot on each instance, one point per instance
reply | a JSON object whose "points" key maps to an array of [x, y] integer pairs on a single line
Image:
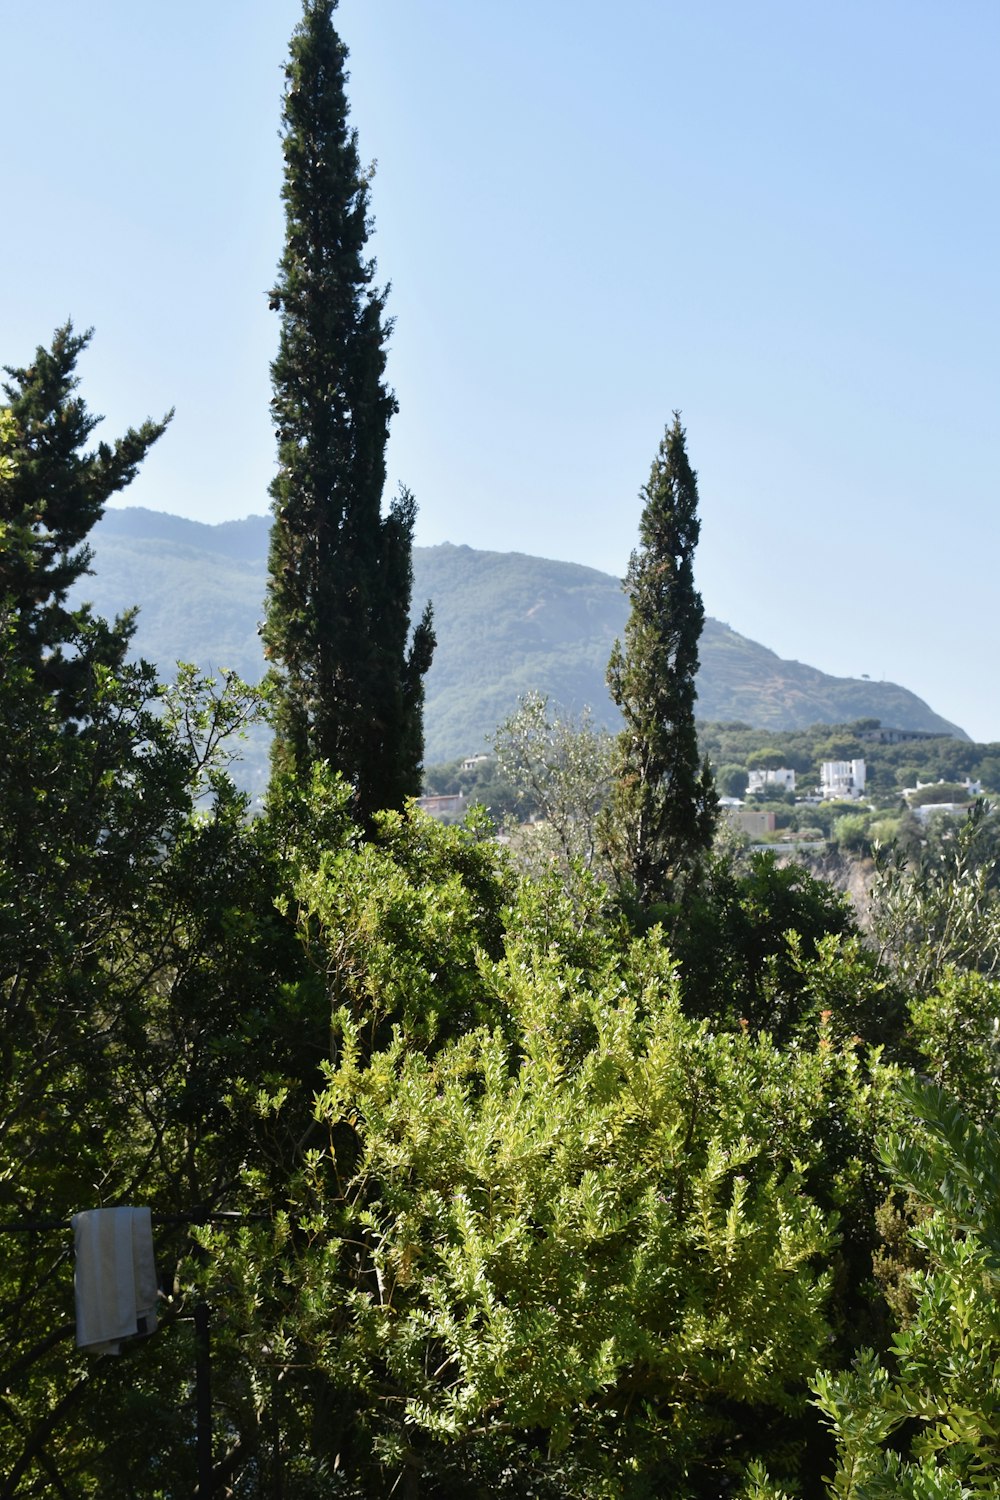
{"points": [[348, 678], [51, 494], [663, 804], [143, 972]]}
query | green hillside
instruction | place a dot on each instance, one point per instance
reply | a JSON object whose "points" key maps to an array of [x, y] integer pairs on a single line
{"points": [[506, 624]]}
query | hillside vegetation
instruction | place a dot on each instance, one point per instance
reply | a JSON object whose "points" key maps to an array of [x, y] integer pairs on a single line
{"points": [[506, 624]]}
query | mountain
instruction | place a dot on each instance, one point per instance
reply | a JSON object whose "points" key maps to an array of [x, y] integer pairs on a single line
{"points": [[506, 624]]}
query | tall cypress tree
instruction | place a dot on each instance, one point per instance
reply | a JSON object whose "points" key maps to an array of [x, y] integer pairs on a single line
{"points": [[348, 676], [663, 803]]}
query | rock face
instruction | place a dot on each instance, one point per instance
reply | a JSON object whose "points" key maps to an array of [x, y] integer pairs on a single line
{"points": [[506, 624]]}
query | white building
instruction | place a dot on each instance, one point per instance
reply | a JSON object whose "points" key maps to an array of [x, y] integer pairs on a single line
{"points": [[925, 810], [928, 810], [973, 788], [784, 780], [842, 778]]}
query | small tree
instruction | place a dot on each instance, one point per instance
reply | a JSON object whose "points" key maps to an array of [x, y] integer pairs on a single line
{"points": [[938, 904], [559, 767], [839, 747], [349, 682], [732, 780], [664, 805], [768, 759]]}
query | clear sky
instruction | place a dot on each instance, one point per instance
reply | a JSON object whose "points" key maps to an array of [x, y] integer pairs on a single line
{"points": [[781, 218]]}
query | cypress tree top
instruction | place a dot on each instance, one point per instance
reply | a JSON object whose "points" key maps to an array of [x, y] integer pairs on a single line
{"points": [[349, 688]]}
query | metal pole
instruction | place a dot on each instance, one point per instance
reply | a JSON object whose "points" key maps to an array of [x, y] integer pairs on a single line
{"points": [[203, 1399]]}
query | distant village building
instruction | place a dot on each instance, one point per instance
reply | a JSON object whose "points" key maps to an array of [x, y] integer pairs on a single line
{"points": [[928, 810], [974, 788], [840, 779], [784, 780], [880, 736], [925, 810], [471, 762], [753, 823]]}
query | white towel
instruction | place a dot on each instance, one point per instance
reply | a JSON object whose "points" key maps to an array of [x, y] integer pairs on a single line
{"points": [[115, 1277]]}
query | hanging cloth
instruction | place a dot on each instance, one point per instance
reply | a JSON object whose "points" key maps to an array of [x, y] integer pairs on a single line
{"points": [[115, 1277]]}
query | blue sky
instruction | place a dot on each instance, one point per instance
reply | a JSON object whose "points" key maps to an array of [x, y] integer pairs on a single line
{"points": [[781, 218]]}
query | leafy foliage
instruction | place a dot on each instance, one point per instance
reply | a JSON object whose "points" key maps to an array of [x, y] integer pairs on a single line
{"points": [[748, 941], [956, 1027], [481, 1171], [941, 1397], [561, 769], [940, 905]]}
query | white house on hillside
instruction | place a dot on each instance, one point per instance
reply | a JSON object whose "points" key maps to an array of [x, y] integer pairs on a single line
{"points": [[842, 778], [927, 810], [973, 788], [784, 780]]}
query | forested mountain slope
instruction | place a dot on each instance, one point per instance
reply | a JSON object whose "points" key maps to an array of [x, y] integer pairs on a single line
{"points": [[506, 623]]}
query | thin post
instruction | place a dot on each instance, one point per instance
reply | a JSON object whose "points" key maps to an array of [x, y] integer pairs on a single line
{"points": [[203, 1398]]}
